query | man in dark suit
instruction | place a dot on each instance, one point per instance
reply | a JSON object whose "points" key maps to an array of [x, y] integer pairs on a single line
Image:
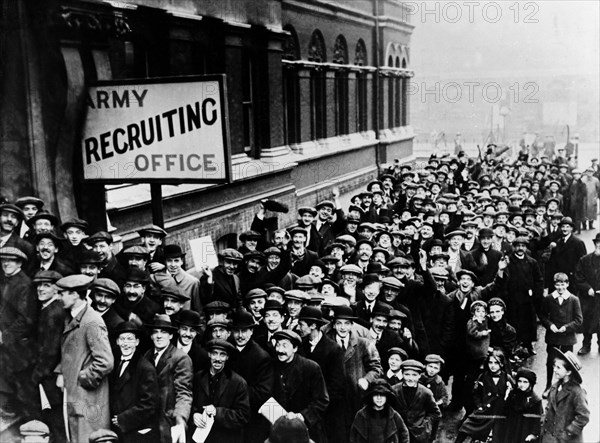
{"points": [[220, 394], [48, 247], [370, 287], [101, 242], [134, 304], [483, 261], [189, 323], [274, 314], [301, 257], [299, 384], [330, 357], [567, 251], [11, 216], [254, 364], [46, 355], [385, 338], [328, 230], [174, 371], [587, 280], [222, 283], [18, 314], [133, 389]]}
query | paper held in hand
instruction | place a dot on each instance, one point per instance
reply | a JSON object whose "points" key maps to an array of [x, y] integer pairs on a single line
{"points": [[201, 434], [203, 252], [272, 410]]}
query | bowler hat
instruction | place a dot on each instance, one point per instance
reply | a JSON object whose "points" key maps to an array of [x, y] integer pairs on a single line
{"points": [[273, 305], [43, 215], [343, 313], [49, 235], [137, 275], [370, 278], [34, 429], [29, 200], [189, 318], [242, 319], [485, 232], [596, 239], [381, 310], [312, 314], [89, 257], [173, 251], [128, 326], [310, 210], [161, 321], [566, 221]]}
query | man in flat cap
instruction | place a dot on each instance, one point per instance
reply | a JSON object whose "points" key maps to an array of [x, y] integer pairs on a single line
{"points": [[133, 389], [220, 394], [18, 313], [46, 355], [30, 206], [223, 283], [86, 360], [135, 257], [11, 216], [75, 232], [301, 257], [101, 242], [134, 305], [104, 294], [174, 371], [330, 220], [152, 238], [299, 384]]}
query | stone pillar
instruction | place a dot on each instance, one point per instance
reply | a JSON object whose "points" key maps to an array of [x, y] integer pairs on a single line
{"points": [[233, 65], [352, 103], [275, 94], [331, 104], [306, 114], [369, 102]]}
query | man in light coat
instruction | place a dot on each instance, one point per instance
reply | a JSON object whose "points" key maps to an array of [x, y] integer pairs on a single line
{"points": [[86, 360]]}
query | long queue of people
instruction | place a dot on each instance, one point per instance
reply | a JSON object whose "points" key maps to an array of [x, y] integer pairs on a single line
{"points": [[354, 320]]}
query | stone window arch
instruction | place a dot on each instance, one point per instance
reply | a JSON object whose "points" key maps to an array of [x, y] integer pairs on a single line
{"points": [[340, 50], [360, 53], [317, 51]]}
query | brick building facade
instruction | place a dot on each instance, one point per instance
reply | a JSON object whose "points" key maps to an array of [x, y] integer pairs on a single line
{"points": [[316, 95]]}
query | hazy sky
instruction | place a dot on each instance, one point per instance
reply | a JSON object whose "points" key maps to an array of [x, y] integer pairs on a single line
{"points": [[483, 37]]}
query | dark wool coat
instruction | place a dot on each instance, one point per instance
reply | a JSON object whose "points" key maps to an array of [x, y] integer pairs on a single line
{"points": [[300, 387], [225, 288], [387, 429], [566, 255], [489, 405], [437, 386], [330, 230], [254, 365], [231, 401], [522, 417], [502, 336], [134, 400], [421, 415], [566, 414], [174, 371], [484, 272], [438, 320], [568, 314], [58, 265], [587, 276]]}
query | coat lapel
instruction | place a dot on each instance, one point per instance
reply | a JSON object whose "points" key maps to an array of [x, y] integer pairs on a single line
{"points": [[75, 322], [352, 345], [164, 358]]}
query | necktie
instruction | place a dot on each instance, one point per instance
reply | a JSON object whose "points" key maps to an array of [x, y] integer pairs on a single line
{"points": [[122, 365], [156, 354]]}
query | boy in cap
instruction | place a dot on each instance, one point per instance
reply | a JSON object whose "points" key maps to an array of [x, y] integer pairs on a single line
{"points": [[133, 389], [432, 380], [299, 384], [416, 403], [220, 395], [18, 313], [86, 360]]}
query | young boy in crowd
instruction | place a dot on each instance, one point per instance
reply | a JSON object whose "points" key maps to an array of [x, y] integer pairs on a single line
{"points": [[433, 381], [560, 313]]}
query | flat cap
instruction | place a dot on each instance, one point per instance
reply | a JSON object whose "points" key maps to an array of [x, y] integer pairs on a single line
{"points": [[298, 230], [249, 235], [255, 293], [219, 323], [217, 343], [439, 273], [46, 276], [99, 237], [296, 294], [413, 365], [11, 251], [434, 358], [217, 306], [346, 238], [308, 209], [76, 282], [326, 204], [106, 285], [75, 223], [152, 229], [468, 273], [397, 351], [306, 282], [136, 250], [230, 254], [351, 269], [173, 291], [288, 335], [9, 207], [255, 255]]}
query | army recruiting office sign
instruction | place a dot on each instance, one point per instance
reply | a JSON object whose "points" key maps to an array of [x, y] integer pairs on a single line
{"points": [[169, 130]]}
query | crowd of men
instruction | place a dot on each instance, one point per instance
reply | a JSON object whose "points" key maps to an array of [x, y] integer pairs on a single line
{"points": [[130, 345]]}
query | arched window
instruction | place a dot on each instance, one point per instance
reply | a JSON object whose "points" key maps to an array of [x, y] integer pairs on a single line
{"points": [[340, 50], [316, 47], [360, 53], [340, 56], [291, 87]]}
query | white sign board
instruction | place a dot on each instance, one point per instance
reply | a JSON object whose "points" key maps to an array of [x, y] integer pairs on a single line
{"points": [[203, 253], [170, 130]]}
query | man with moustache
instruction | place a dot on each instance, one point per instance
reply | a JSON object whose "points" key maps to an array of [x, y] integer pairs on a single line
{"points": [[133, 389], [254, 365], [17, 319], [134, 305], [174, 301], [301, 257], [86, 360], [89, 263], [385, 338], [524, 292], [101, 242], [220, 394], [274, 314], [104, 293], [48, 247], [135, 257], [174, 371], [10, 218], [46, 353], [222, 283], [188, 325], [299, 384]]}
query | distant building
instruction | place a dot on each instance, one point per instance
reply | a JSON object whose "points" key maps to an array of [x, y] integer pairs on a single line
{"points": [[317, 97]]}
